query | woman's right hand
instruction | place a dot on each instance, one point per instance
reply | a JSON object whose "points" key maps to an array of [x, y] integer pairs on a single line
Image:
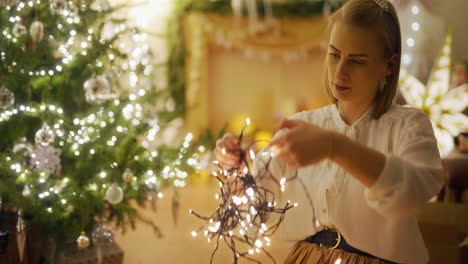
{"points": [[227, 152]]}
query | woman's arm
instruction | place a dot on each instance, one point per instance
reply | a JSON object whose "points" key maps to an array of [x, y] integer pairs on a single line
{"points": [[398, 183], [362, 162]]}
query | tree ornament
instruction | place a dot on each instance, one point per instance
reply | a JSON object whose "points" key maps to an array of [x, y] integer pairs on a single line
{"points": [[97, 89], [37, 31], [44, 136], [114, 194], [127, 175], [58, 6], [20, 235], [103, 235], [46, 159], [7, 98], [82, 241], [9, 2], [19, 30], [26, 191]]}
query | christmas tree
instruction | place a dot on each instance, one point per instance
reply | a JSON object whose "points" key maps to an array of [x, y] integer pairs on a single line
{"points": [[84, 129]]}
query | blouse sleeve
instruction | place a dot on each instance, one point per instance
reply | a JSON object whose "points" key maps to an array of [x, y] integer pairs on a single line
{"points": [[412, 174]]}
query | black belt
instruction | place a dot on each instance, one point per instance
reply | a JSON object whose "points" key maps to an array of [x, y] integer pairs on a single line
{"points": [[333, 239]]}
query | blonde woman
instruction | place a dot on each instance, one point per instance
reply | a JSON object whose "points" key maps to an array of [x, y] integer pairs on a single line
{"points": [[365, 166]]}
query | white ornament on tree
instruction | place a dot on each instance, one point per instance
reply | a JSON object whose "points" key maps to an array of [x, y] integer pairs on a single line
{"points": [[7, 98], [127, 175], [114, 194], [97, 90], [46, 159], [58, 6], [37, 31], [44, 136], [26, 191], [19, 30]]}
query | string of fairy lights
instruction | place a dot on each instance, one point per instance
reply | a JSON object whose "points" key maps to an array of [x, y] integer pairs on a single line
{"points": [[81, 136], [248, 213], [407, 57]]}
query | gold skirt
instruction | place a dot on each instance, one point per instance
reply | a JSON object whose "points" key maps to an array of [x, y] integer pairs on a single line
{"points": [[309, 253]]}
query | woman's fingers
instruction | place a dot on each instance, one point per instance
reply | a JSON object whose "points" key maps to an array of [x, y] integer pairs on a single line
{"points": [[227, 160], [287, 157]]}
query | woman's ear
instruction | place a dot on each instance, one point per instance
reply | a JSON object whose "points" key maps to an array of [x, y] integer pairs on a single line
{"points": [[391, 65]]}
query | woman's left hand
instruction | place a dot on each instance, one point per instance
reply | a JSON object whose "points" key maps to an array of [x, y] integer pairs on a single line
{"points": [[303, 144]]}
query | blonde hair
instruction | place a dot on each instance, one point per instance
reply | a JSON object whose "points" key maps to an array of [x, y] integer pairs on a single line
{"points": [[368, 14]]}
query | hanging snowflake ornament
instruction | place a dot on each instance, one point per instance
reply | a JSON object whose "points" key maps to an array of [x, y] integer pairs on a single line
{"points": [[37, 31], [19, 30], [44, 136], [46, 158], [58, 6], [7, 98], [443, 106], [98, 90]]}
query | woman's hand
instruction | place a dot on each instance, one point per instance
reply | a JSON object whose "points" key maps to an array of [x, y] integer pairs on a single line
{"points": [[227, 152], [303, 144]]}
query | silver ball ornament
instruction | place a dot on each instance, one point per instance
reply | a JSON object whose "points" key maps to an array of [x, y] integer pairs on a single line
{"points": [[114, 194]]}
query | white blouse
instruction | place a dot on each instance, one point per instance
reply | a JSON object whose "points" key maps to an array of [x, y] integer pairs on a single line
{"points": [[381, 220]]}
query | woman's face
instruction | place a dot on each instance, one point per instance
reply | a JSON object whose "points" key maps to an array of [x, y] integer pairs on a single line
{"points": [[355, 63]]}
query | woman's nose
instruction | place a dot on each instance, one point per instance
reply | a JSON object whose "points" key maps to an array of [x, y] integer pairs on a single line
{"points": [[341, 72]]}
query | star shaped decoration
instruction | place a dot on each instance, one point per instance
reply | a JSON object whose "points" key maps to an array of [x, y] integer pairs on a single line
{"points": [[443, 105]]}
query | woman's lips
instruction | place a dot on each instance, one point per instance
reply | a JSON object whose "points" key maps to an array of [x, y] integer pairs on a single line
{"points": [[341, 88]]}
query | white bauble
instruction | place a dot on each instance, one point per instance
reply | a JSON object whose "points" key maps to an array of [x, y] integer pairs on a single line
{"points": [[7, 98], [114, 194], [19, 30], [37, 31]]}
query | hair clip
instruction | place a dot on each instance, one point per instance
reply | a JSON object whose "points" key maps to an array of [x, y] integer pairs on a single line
{"points": [[383, 4]]}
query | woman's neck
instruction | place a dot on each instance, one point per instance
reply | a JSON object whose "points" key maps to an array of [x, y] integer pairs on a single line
{"points": [[350, 112]]}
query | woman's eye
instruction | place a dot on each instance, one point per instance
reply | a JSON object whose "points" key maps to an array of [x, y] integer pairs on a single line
{"points": [[334, 55], [358, 62]]}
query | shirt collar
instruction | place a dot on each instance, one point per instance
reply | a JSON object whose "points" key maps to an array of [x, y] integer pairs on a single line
{"points": [[357, 124]]}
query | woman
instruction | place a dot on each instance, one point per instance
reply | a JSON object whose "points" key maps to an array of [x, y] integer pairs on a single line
{"points": [[365, 166]]}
